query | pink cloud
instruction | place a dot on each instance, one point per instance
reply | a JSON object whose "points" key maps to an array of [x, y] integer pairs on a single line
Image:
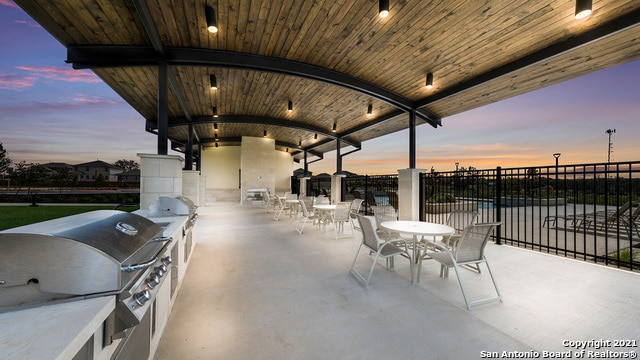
{"points": [[94, 100], [61, 74], [28, 23], [15, 82], [9, 3]]}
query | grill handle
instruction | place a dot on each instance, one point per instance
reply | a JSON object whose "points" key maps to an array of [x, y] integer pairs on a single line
{"points": [[139, 266], [146, 264]]}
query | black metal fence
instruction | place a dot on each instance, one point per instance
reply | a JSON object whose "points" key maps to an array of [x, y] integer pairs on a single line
{"points": [[374, 190], [588, 212]]}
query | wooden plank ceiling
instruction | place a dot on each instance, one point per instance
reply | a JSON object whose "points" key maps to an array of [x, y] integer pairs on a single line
{"points": [[332, 59]]}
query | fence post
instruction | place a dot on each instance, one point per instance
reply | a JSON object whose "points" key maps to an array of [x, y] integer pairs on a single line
{"points": [[498, 204], [421, 196]]}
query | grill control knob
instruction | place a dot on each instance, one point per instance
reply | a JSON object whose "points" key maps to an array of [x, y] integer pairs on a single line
{"points": [[142, 297], [153, 281], [167, 260], [160, 270]]}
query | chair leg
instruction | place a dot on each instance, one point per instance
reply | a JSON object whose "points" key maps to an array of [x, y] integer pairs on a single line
{"points": [[464, 294]]}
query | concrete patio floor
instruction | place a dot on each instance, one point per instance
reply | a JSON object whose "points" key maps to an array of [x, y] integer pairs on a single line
{"points": [[256, 289]]}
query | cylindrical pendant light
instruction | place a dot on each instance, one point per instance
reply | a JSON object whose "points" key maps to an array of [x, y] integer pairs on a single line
{"points": [[213, 82], [290, 106], [370, 110], [212, 21], [264, 133], [335, 126], [583, 8], [383, 8], [215, 114], [429, 83]]}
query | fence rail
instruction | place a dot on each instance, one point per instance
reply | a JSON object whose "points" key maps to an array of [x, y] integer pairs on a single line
{"points": [[588, 212]]}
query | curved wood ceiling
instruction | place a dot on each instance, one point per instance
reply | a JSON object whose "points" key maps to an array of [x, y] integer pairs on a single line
{"points": [[332, 59]]}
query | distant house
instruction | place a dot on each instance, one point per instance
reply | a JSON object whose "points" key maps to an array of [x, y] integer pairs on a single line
{"points": [[131, 176], [91, 171]]}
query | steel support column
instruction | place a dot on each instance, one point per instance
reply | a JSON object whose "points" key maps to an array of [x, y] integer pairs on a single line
{"points": [[412, 139], [163, 108], [188, 151], [338, 157]]}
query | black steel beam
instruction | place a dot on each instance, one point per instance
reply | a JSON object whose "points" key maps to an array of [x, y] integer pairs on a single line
{"points": [[83, 57], [615, 26], [248, 119]]}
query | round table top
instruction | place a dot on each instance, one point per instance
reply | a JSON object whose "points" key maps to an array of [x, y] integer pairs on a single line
{"points": [[325, 207], [417, 228]]}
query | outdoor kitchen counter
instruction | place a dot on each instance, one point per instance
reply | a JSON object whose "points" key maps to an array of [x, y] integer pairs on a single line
{"points": [[54, 331]]}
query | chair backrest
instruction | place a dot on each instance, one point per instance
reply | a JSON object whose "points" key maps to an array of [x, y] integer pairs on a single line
{"points": [[618, 213], [370, 238], [460, 219], [384, 213], [472, 242], [355, 206], [343, 209], [308, 202], [321, 200], [303, 207]]}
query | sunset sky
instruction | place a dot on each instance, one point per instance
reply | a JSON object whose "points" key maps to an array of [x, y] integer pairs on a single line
{"points": [[50, 112]]}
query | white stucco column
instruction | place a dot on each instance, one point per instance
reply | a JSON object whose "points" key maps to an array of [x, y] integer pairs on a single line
{"points": [[336, 188], [191, 185], [409, 194], [202, 198], [160, 175], [303, 185]]}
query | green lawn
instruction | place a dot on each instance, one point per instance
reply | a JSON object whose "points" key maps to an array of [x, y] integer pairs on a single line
{"points": [[13, 216]]}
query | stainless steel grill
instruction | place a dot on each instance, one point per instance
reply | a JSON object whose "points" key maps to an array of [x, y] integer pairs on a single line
{"points": [[99, 253]]}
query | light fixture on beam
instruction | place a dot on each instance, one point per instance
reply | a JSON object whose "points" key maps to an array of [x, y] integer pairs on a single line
{"points": [[215, 125], [315, 136], [264, 133], [383, 7], [212, 21], [287, 149], [213, 82], [299, 143], [370, 110], [216, 144], [429, 83], [290, 106], [215, 115], [215, 137], [583, 8], [335, 126]]}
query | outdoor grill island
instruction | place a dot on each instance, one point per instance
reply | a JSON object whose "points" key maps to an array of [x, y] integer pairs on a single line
{"points": [[98, 285]]}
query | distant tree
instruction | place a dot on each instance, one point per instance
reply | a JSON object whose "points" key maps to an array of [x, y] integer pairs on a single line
{"points": [[5, 162], [28, 174], [127, 165], [100, 180], [64, 176]]}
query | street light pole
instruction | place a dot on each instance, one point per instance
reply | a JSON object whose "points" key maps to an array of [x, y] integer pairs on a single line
{"points": [[609, 131], [557, 155]]}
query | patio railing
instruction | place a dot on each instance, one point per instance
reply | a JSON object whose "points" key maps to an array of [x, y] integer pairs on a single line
{"points": [[587, 212]]}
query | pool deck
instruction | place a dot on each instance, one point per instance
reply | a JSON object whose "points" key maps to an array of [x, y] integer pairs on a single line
{"points": [[256, 289]]}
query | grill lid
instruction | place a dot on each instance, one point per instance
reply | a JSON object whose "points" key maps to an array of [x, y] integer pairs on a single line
{"points": [[94, 252]]}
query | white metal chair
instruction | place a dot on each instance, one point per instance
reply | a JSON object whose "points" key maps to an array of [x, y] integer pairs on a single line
{"points": [[305, 216], [341, 216], [459, 220], [382, 249], [355, 210], [280, 207], [469, 250]]}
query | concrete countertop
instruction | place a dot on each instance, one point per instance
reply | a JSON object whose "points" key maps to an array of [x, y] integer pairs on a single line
{"points": [[55, 331]]}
